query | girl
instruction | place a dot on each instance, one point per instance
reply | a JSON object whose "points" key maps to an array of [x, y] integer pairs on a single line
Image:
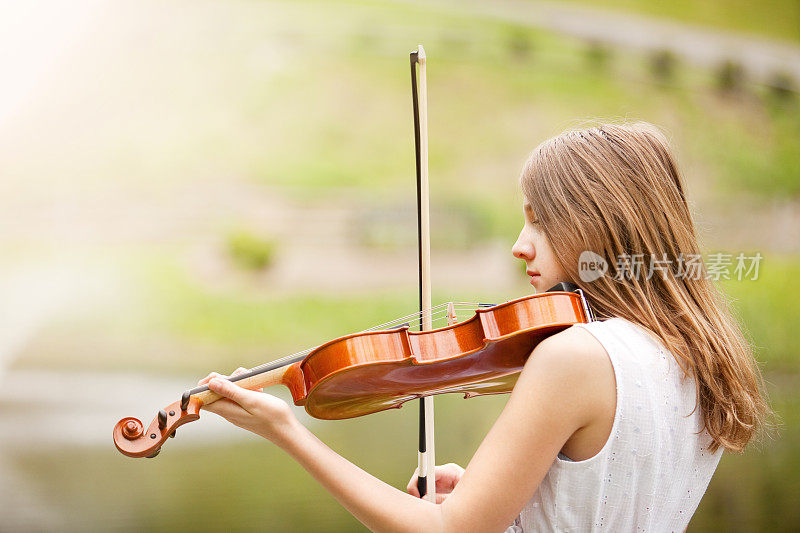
{"points": [[615, 425]]}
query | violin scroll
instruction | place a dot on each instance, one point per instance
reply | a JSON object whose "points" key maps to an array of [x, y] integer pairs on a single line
{"points": [[131, 438]]}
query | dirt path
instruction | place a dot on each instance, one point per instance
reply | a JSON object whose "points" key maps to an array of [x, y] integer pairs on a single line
{"points": [[706, 47]]}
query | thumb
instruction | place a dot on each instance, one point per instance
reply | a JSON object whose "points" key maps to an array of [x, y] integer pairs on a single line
{"points": [[229, 390]]}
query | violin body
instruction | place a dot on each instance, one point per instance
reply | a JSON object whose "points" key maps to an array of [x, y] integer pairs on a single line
{"points": [[372, 371], [369, 372]]}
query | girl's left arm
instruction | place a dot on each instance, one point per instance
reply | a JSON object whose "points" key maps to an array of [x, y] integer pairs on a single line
{"points": [[556, 394]]}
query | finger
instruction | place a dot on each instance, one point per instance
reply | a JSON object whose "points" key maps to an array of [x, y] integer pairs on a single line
{"points": [[447, 476], [440, 497], [209, 378], [229, 390], [445, 485], [412, 484], [225, 408], [241, 370]]}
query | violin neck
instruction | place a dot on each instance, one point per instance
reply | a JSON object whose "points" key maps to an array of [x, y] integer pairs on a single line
{"points": [[254, 381]]}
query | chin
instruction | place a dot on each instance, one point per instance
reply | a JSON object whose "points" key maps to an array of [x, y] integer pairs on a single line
{"points": [[542, 285]]}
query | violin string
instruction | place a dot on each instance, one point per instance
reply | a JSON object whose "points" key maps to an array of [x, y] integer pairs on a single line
{"points": [[437, 312], [406, 318], [436, 316], [440, 312]]}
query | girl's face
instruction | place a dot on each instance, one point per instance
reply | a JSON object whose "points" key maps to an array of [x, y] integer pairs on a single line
{"points": [[534, 248]]}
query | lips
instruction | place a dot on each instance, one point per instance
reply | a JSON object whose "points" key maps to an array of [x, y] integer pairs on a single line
{"points": [[534, 276]]}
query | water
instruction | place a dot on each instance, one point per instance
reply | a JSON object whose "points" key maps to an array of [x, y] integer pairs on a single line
{"points": [[59, 468]]}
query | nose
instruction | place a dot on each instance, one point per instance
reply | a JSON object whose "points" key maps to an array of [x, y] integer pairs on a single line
{"points": [[523, 248]]}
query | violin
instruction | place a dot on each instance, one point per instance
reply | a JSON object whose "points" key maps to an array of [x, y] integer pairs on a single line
{"points": [[375, 370]]}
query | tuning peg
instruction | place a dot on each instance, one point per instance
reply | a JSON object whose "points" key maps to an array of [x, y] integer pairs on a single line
{"points": [[172, 435], [162, 419], [154, 453], [185, 400]]}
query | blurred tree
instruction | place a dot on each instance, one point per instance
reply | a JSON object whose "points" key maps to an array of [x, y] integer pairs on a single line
{"points": [[663, 65], [250, 251], [519, 44], [598, 55], [730, 76], [782, 85]]}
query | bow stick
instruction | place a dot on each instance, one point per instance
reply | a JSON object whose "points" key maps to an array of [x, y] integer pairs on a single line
{"points": [[419, 98]]}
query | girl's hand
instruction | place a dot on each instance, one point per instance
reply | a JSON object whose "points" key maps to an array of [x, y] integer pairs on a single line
{"points": [[253, 410], [447, 476]]}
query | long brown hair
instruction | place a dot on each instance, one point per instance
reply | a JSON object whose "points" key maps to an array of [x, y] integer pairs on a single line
{"points": [[615, 190]]}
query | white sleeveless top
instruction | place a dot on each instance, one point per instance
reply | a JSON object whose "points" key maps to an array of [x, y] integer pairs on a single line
{"points": [[655, 466]]}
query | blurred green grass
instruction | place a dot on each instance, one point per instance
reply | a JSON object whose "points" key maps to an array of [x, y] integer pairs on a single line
{"points": [[767, 308], [757, 490]]}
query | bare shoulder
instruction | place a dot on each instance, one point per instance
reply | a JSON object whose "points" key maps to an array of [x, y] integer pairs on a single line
{"points": [[573, 348], [575, 370]]}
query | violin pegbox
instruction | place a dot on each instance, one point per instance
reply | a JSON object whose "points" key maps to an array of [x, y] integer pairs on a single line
{"points": [[131, 438]]}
